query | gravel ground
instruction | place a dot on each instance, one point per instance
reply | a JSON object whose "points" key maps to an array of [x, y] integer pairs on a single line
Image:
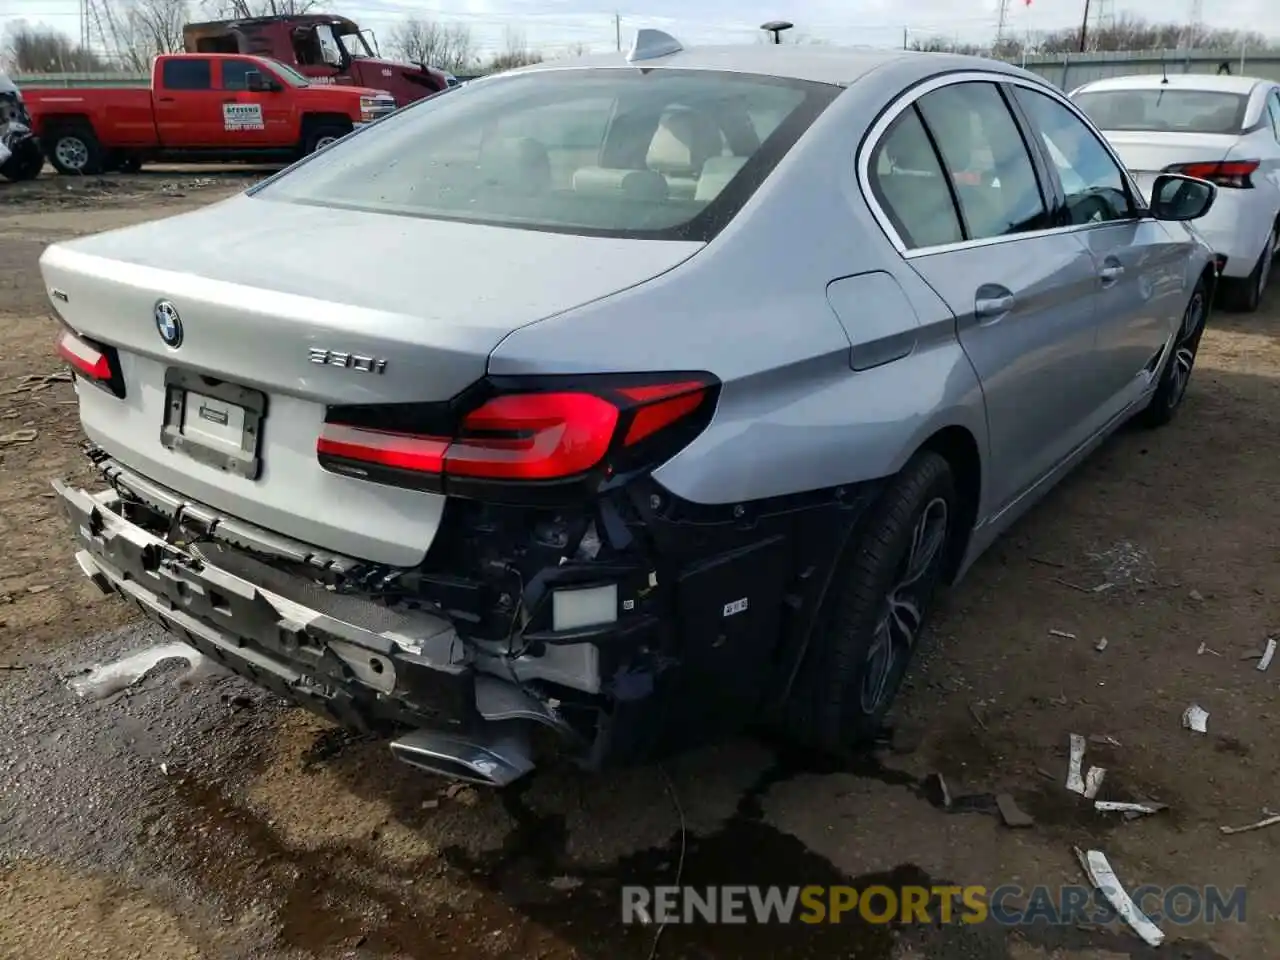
{"points": [[194, 816]]}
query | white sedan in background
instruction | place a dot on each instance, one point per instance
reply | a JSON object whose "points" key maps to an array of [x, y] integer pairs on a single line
{"points": [[1222, 128]]}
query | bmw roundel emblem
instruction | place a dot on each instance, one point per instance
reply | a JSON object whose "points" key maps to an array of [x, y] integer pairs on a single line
{"points": [[168, 323]]}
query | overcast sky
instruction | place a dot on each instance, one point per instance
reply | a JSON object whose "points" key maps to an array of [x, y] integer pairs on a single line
{"points": [[550, 25]]}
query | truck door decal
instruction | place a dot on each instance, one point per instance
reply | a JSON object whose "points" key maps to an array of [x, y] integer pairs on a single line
{"points": [[242, 116]]}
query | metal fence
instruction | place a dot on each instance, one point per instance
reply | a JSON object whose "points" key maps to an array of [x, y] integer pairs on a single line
{"points": [[1067, 70]]}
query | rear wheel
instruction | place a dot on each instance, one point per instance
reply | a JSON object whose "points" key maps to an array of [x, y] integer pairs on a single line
{"points": [[1177, 369], [1245, 294], [75, 151], [875, 610]]}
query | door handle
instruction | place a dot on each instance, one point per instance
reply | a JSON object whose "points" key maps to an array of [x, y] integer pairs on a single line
{"points": [[166, 99], [989, 308], [1110, 273]]}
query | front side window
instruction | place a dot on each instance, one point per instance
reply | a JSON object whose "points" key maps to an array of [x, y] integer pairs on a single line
{"points": [[188, 74], [1273, 107], [235, 74], [662, 154], [1165, 110], [984, 153], [1092, 180]]}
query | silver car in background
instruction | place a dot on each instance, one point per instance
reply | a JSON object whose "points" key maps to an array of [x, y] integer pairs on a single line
{"points": [[613, 405]]}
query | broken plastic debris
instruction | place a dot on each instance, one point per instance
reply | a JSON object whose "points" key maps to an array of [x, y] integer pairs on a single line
{"points": [[1088, 785], [1104, 740], [110, 678], [1063, 634], [1098, 870], [1270, 821], [1194, 718], [1101, 645], [1130, 810], [1011, 814], [1075, 782], [1093, 782], [1269, 655]]}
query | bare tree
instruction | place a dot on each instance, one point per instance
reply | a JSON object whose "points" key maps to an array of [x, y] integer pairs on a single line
{"points": [[515, 53], [948, 45], [1135, 33], [41, 50], [150, 27], [426, 41]]}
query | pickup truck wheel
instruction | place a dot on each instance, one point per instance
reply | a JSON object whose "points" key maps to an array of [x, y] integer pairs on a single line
{"points": [[875, 610], [75, 151], [322, 136]]}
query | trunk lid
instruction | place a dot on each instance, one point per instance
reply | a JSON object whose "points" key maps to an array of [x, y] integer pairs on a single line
{"points": [[1147, 153], [312, 306]]}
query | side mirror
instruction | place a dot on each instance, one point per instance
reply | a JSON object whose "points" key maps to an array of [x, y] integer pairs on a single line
{"points": [[1178, 197]]}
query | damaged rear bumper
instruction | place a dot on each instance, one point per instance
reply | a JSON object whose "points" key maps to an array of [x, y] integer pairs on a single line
{"points": [[358, 663]]}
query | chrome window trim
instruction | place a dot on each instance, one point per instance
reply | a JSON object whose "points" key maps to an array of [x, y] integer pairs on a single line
{"points": [[907, 99]]}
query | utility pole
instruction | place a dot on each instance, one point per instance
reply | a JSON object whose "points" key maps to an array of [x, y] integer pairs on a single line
{"points": [[1084, 26], [617, 30], [1001, 22], [904, 38]]}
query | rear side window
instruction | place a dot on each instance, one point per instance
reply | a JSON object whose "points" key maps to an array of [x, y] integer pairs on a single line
{"points": [[188, 74], [909, 184], [983, 151], [662, 154], [1165, 110]]}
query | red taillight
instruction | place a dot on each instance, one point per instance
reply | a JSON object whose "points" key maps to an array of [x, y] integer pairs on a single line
{"points": [[549, 430], [88, 360], [1237, 174], [91, 361], [533, 436]]}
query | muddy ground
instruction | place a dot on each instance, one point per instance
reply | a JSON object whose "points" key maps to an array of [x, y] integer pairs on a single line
{"points": [[192, 816]]}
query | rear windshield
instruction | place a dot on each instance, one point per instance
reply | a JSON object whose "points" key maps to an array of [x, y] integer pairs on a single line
{"points": [[1171, 111], [667, 154]]}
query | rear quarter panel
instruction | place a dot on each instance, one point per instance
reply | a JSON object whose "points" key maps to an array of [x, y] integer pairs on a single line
{"points": [[752, 309], [120, 117]]}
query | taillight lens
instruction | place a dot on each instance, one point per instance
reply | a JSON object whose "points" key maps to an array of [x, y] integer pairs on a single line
{"points": [[509, 432], [1236, 174], [93, 361]]}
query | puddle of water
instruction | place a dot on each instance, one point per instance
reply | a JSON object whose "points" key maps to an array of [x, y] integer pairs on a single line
{"points": [[106, 680]]}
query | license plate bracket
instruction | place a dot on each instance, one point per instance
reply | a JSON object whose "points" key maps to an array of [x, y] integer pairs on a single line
{"points": [[214, 422]]}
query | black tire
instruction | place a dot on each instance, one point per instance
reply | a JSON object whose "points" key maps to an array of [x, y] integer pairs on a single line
{"points": [[321, 136], [1244, 295], [74, 151], [843, 692], [1176, 374], [25, 164]]}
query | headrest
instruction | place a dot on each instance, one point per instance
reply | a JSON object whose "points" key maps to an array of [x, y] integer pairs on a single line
{"points": [[684, 141], [646, 185]]}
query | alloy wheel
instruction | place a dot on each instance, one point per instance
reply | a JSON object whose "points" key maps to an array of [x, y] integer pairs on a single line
{"points": [[903, 610], [1184, 349]]}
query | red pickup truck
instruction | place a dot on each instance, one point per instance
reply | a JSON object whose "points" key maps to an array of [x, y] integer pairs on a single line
{"points": [[199, 108]]}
